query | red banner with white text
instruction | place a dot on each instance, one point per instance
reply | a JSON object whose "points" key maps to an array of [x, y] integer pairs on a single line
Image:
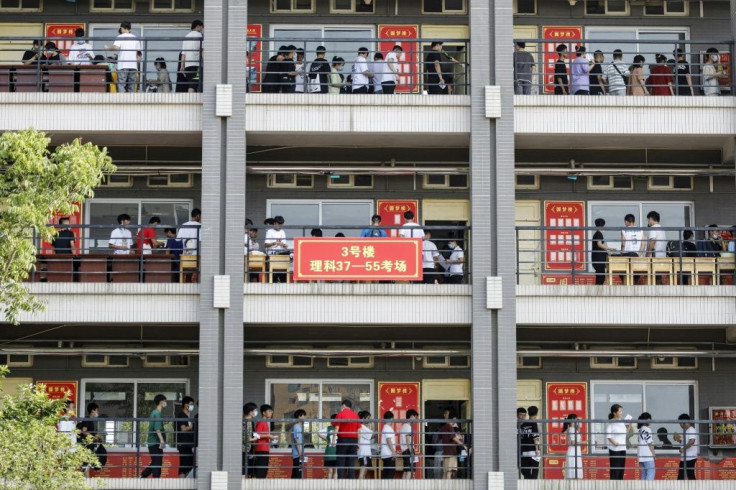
{"points": [[564, 248], [56, 31], [408, 61], [557, 35]]}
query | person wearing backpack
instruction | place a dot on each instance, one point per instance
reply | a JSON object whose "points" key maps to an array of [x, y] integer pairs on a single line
{"points": [[617, 74], [375, 230]]}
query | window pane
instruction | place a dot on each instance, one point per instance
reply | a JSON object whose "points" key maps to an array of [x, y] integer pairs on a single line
{"points": [[601, 180], [435, 180], [614, 216], [667, 402], [124, 4], [286, 398], [526, 180], [115, 399], [622, 182], [98, 4], [526, 6], [179, 178], [342, 4], [675, 7], [338, 362], [629, 396], [283, 4], [302, 361], [345, 213], [454, 5], [334, 393], [363, 181], [339, 179], [671, 214], [458, 361], [654, 9], [680, 182], [35, 4], [364, 5], [660, 180], [303, 4], [173, 391], [184, 5], [158, 180], [106, 213], [283, 179], [595, 7], [304, 180], [627, 362], [433, 5], [162, 4], [617, 5], [171, 213], [296, 214], [460, 180]]}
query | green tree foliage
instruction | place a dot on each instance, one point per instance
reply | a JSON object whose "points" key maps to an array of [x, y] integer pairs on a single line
{"points": [[35, 456], [34, 184]]}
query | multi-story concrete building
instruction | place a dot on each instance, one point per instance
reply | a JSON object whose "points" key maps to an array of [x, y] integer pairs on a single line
{"points": [[479, 163]]}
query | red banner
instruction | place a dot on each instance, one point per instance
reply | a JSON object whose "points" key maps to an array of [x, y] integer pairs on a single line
{"points": [[60, 390], [397, 398], [597, 468], [723, 430], [723, 68], [254, 57], [122, 463], [55, 31], [562, 400], [355, 259], [565, 279], [409, 59], [557, 35], [562, 246], [392, 213]]}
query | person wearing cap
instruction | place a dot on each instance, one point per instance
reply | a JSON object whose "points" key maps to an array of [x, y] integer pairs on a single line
{"points": [[433, 70], [319, 72], [361, 74], [391, 72], [375, 230], [683, 79], [127, 46]]}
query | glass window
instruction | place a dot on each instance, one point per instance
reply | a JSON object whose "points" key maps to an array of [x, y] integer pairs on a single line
{"points": [[606, 7], [528, 7], [122, 5], [443, 6], [668, 7], [21, 5], [322, 213], [359, 6], [172, 5], [292, 6]]}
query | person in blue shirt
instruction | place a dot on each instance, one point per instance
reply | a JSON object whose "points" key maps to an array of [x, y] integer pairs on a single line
{"points": [[713, 244], [175, 247], [297, 445], [375, 231]]}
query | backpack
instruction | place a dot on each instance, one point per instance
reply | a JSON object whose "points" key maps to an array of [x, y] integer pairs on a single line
{"points": [[673, 248], [376, 233]]}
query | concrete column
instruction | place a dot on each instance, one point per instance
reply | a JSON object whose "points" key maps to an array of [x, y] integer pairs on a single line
{"points": [[492, 201], [223, 219]]}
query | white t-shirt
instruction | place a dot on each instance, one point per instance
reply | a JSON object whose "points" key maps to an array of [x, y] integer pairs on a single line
{"points": [[644, 439], [188, 234], [388, 75], [250, 245], [429, 252], [121, 237], [616, 431], [379, 70], [360, 65], [386, 446], [632, 240], [68, 426], [299, 78], [405, 439], [660, 245], [273, 236], [692, 451], [190, 47], [128, 46], [456, 268], [411, 230], [78, 54], [364, 444]]}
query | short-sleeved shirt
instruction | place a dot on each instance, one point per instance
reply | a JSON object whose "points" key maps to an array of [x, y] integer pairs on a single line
{"points": [[297, 440], [456, 268], [616, 431], [390, 76], [411, 230], [660, 240], [64, 241], [447, 434], [128, 45], [387, 433], [364, 441], [373, 232], [691, 452], [184, 438], [429, 67], [360, 66], [121, 237], [528, 432], [156, 424], [523, 65], [595, 86], [561, 75], [89, 427], [273, 236], [644, 439], [78, 54], [683, 70], [30, 54], [191, 47], [331, 447], [660, 77], [598, 254], [632, 240], [615, 73], [145, 237], [262, 445], [406, 437], [429, 252], [580, 78]]}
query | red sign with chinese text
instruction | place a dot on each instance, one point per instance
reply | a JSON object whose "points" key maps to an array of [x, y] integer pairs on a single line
{"points": [[397, 398], [122, 463], [56, 31], [392, 213], [562, 400], [564, 247], [557, 35], [723, 428], [723, 68], [60, 390], [254, 57], [408, 76], [355, 259], [597, 468]]}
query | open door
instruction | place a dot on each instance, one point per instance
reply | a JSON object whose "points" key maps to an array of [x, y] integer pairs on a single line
{"points": [[438, 395], [529, 246]]}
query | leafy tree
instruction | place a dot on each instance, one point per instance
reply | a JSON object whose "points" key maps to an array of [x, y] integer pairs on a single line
{"points": [[35, 184], [34, 454]]}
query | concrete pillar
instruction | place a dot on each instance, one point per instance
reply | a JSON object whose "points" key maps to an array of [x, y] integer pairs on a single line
{"points": [[223, 219], [492, 201]]}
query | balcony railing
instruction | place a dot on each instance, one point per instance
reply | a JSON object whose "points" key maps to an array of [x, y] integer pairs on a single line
{"points": [[625, 255], [682, 67]]}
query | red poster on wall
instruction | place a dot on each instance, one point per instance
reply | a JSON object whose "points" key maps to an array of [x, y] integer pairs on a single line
{"points": [[392, 213], [56, 31], [597, 468], [408, 60], [556, 35], [562, 400], [723, 428], [564, 248], [397, 398], [254, 57], [60, 390], [75, 218]]}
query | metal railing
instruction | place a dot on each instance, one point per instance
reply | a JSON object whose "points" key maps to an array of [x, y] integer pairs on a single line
{"points": [[59, 64], [683, 67], [625, 255], [646, 449]]}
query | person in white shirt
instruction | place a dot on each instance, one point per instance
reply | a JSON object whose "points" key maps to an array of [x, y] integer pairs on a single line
{"points": [[632, 241], [391, 75], [276, 243], [128, 46], [455, 262], [191, 56], [645, 448], [189, 233], [410, 229], [406, 441], [657, 240], [121, 239], [299, 67], [430, 258], [365, 435], [378, 67], [690, 448], [81, 53], [361, 73], [616, 435], [388, 448]]}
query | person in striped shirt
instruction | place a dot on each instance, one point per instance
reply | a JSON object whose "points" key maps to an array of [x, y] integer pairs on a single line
{"points": [[616, 73]]}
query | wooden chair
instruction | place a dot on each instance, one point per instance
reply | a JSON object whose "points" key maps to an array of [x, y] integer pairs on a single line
{"points": [[640, 266], [661, 265], [188, 265], [255, 264], [279, 263], [686, 266], [620, 266], [706, 266]]}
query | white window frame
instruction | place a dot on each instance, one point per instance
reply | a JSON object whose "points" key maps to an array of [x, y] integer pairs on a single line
{"points": [[446, 364], [129, 200], [167, 363], [520, 362], [675, 364], [92, 7], [644, 383], [20, 8], [670, 187], [272, 184], [293, 9], [289, 365], [371, 29], [27, 363], [134, 382], [615, 365], [444, 11], [106, 181], [536, 8], [351, 364], [106, 362], [668, 13], [352, 10], [351, 184], [638, 31], [534, 186], [606, 12], [642, 205], [320, 202], [173, 8], [320, 382], [446, 185], [169, 183], [595, 187]]}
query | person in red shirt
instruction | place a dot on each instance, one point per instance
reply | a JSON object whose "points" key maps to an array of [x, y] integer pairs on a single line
{"points": [[262, 446], [347, 424], [661, 77], [147, 237]]}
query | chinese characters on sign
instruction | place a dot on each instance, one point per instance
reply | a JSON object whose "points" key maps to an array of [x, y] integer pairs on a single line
{"points": [[254, 57], [60, 390], [398, 398], [356, 259], [564, 248], [558, 35], [56, 31], [562, 400], [408, 76], [723, 428], [392, 213]]}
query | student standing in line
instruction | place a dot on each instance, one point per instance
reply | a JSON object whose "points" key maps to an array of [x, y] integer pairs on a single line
{"points": [[616, 434], [599, 252], [156, 438], [297, 445], [574, 458], [689, 448], [645, 448], [262, 446], [185, 431], [561, 83], [250, 410], [365, 434], [637, 80], [329, 435], [406, 438], [388, 448]]}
